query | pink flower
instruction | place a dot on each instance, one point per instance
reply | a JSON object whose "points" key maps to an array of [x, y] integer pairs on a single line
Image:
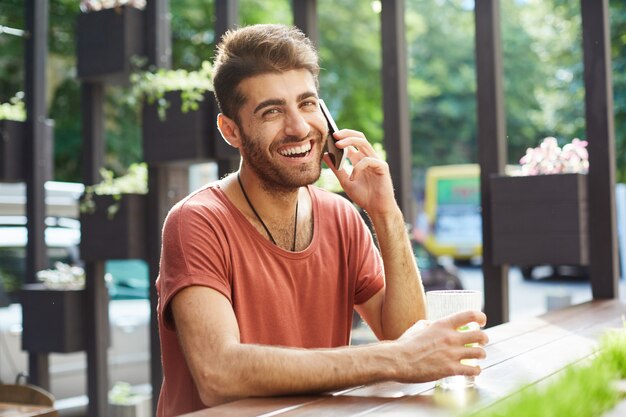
{"points": [[549, 158]]}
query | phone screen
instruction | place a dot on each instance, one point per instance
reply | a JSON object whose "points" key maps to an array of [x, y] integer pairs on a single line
{"points": [[336, 155]]}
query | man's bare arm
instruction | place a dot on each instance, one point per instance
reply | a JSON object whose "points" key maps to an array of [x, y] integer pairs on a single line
{"points": [[225, 369], [402, 302]]}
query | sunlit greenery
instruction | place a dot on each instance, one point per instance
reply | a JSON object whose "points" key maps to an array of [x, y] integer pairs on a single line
{"points": [[150, 87], [134, 181], [586, 390], [14, 109]]}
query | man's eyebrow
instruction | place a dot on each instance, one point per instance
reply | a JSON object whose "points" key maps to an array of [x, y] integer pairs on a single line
{"points": [[281, 102], [307, 95], [269, 102]]}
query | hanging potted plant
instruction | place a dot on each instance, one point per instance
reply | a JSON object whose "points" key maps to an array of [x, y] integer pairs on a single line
{"points": [[53, 311], [113, 216], [540, 216], [109, 33], [179, 116]]}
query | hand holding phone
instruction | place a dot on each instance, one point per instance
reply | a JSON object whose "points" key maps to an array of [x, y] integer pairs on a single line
{"points": [[336, 155]]}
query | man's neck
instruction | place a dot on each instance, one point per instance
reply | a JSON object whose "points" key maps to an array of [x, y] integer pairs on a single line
{"points": [[265, 197], [277, 211]]}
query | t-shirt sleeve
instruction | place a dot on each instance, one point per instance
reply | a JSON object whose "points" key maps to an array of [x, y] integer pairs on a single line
{"points": [[192, 253]]}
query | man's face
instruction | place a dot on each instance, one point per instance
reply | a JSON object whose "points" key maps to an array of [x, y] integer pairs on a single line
{"points": [[282, 129]]}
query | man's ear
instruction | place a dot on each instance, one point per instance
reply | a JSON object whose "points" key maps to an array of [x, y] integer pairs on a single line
{"points": [[229, 130]]}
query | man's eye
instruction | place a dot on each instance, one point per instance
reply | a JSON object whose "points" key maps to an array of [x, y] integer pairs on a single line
{"points": [[271, 112]]}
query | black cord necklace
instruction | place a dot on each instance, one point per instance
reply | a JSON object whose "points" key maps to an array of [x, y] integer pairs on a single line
{"points": [[295, 223]]}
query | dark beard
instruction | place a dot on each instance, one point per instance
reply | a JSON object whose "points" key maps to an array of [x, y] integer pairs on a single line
{"points": [[273, 177]]}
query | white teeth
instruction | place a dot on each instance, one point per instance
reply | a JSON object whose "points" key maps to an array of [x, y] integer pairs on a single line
{"points": [[296, 149]]}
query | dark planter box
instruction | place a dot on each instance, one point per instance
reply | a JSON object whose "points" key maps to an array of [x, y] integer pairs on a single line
{"points": [[53, 320], [540, 219], [106, 41], [183, 137], [13, 151], [120, 237]]}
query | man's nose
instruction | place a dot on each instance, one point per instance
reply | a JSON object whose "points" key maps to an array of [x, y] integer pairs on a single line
{"points": [[296, 125]]}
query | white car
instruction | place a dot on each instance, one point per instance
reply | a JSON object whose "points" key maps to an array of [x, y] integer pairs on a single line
{"points": [[129, 309]]}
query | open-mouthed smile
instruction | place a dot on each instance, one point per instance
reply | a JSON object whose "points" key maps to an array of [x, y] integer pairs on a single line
{"points": [[297, 151]]}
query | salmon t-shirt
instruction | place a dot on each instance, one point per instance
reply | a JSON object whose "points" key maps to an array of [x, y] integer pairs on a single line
{"points": [[298, 299]]}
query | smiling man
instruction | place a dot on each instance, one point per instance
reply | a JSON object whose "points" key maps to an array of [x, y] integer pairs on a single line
{"points": [[260, 271]]}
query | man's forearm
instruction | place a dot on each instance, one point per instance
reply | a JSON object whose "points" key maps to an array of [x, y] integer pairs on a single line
{"points": [[246, 370], [404, 302], [425, 352]]}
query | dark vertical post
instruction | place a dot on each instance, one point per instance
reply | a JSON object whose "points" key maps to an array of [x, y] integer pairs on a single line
{"points": [[156, 190], [35, 86], [226, 17], [305, 18], [92, 102], [158, 50], [36, 53], [158, 41], [604, 269], [396, 128], [491, 147], [97, 339]]}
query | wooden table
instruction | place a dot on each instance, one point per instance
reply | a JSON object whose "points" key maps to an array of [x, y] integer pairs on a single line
{"points": [[22, 410], [523, 352]]}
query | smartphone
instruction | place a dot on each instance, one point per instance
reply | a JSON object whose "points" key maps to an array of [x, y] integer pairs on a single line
{"points": [[336, 155]]}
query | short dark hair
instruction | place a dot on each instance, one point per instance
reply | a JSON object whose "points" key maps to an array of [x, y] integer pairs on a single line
{"points": [[254, 50]]}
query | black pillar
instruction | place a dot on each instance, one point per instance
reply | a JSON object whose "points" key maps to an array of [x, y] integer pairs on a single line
{"points": [[97, 333], [491, 147], [226, 17], [92, 103], [305, 18], [38, 162], [158, 43], [396, 127], [604, 268], [158, 50]]}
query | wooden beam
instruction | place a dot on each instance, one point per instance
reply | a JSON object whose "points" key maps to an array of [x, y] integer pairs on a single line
{"points": [[37, 161], [158, 41], [36, 52], [396, 127], [158, 50], [92, 103], [604, 268], [97, 332], [305, 18], [226, 17], [491, 147]]}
